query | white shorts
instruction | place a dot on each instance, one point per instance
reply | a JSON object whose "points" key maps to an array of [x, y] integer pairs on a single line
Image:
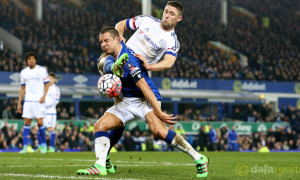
{"points": [[130, 109], [50, 120], [33, 110]]}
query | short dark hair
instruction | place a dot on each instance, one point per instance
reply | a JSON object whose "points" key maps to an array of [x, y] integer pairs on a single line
{"points": [[29, 54], [113, 32], [177, 5], [52, 74]]}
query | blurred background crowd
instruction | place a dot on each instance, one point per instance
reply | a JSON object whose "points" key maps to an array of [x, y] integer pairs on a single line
{"points": [[71, 137], [67, 37]]}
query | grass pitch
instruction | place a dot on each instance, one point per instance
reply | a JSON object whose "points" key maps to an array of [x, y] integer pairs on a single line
{"points": [[151, 165]]}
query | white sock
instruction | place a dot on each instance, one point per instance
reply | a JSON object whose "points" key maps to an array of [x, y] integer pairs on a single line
{"points": [[102, 145], [180, 143]]}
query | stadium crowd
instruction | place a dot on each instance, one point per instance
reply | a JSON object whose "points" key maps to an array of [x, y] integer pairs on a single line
{"points": [[250, 113], [66, 38], [71, 137]]}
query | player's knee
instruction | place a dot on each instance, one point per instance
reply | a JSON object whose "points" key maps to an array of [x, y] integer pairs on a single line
{"points": [[161, 133], [101, 126], [27, 121]]}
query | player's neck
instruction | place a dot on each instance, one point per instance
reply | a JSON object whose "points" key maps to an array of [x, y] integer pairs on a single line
{"points": [[32, 67], [170, 29], [117, 52]]}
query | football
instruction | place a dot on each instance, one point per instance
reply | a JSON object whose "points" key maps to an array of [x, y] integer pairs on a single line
{"points": [[109, 85]]}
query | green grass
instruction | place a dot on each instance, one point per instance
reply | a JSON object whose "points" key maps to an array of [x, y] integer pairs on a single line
{"points": [[150, 165]]}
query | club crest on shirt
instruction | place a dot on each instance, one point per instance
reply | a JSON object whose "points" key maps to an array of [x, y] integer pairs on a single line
{"points": [[162, 42]]}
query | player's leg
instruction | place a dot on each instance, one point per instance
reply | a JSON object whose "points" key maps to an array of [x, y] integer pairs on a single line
{"points": [[27, 115], [158, 128], [42, 131], [107, 122], [50, 124], [117, 66], [52, 139], [39, 111], [114, 136], [26, 132], [39, 138]]}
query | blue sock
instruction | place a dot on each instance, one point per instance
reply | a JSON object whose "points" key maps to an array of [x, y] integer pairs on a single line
{"points": [[114, 136], [39, 138], [100, 134], [43, 135], [170, 136], [26, 131], [52, 139]]}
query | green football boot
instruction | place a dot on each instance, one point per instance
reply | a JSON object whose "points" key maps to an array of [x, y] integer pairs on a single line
{"points": [[201, 166], [51, 149], [39, 149], [44, 150], [95, 169], [24, 151], [110, 168], [117, 67]]}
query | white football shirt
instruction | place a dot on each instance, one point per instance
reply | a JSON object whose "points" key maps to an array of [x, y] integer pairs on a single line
{"points": [[150, 40], [34, 80], [52, 99]]}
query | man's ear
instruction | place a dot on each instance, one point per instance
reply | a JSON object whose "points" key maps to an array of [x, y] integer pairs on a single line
{"points": [[179, 19], [118, 39]]}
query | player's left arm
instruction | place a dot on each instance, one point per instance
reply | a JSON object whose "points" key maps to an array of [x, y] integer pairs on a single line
{"points": [[46, 85], [135, 73], [166, 63], [149, 95], [54, 100]]}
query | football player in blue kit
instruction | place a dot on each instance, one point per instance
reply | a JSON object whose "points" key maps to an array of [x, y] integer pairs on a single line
{"points": [[140, 101]]}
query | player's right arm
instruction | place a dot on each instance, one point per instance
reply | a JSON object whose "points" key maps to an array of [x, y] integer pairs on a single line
{"points": [[121, 27], [141, 83], [151, 98], [21, 93]]}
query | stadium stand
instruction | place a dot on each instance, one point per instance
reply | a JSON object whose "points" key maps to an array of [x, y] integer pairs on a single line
{"points": [[69, 34]]}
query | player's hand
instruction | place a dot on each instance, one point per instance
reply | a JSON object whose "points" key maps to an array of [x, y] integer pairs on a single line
{"points": [[122, 39], [167, 118], [42, 100], [144, 61], [19, 108]]}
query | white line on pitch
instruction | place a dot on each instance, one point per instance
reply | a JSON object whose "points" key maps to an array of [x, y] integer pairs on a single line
{"points": [[49, 176], [82, 165], [137, 162]]}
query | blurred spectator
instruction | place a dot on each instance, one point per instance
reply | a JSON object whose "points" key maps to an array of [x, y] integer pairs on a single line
{"points": [[213, 138], [6, 113], [129, 144], [232, 140]]}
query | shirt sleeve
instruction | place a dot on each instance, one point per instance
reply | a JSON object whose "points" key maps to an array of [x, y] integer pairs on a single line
{"points": [[107, 64], [45, 76], [173, 46], [57, 95], [135, 22]]}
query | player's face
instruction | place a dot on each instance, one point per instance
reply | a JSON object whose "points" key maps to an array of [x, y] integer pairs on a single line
{"points": [[170, 17], [108, 43], [52, 80], [31, 61]]}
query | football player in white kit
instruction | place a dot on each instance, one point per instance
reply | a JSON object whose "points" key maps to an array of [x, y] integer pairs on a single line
{"points": [[34, 86], [51, 101], [154, 39], [155, 44]]}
